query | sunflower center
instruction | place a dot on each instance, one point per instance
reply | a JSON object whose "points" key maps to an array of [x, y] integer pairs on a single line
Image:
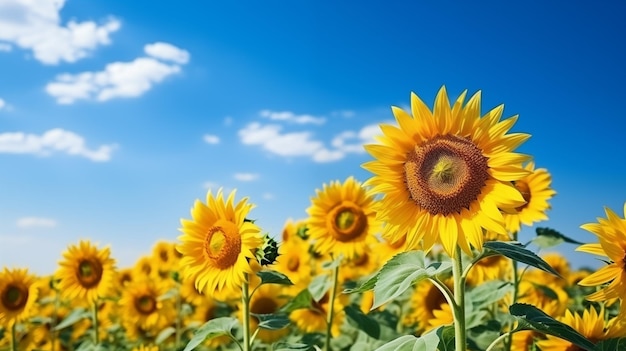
{"points": [[434, 299], [164, 256], [446, 174], [489, 261], [14, 298], [89, 273], [264, 305], [222, 245], [524, 189], [347, 221], [361, 260], [145, 304], [293, 263]]}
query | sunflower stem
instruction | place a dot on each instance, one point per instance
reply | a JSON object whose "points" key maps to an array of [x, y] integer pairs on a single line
{"points": [[13, 341], [95, 323], [509, 340], [460, 338], [331, 308], [178, 317], [245, 300], [504, 336]]}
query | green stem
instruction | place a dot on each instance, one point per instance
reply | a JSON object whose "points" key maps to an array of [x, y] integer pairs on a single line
{"points": [[178, 317], [497, 340], [509, 341], [331, 308], [13, 341], [245, 300], [460, 338], [95, 323]]}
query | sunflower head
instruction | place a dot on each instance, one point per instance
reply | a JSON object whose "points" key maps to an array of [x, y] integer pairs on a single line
{"points": [[218, 243], [446, 174], [86, 272], [18, 293]]}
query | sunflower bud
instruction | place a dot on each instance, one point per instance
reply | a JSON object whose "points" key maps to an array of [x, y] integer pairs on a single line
{"points": [[269, 251]]}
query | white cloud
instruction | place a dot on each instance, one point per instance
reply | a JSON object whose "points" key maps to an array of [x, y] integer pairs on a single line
{"points": [[211, 139], [246, 177], [36, 222], [36, 25], [3, 104], [54, 140], [283, 144], [167, 52], [291, 117], [343, 113], [117, 80], [268, 196], [5, 47]]}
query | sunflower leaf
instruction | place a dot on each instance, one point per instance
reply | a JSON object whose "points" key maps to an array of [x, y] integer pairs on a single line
{"points": [[366, 286], [548, 237], [400, 272], [487, 293], [611, 345], [74, 316], [211, 329], [536, 319], [164, 334], [319, 286], [446, 338], [285, 346], [302, 300], [364, 322], [427, 342], [273, 277], [517, 252], [272, 321]]}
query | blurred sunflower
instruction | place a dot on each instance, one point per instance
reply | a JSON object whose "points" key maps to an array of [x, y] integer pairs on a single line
{"points": [[86, 272], [218, 242], [146, 348], [313, 318], [164, 257], [143, 306], [425, 300], [204, 312], [496, 267], [441, 316], [547, 296], [591, 325], [190, 294], [360, 266], [536, 190], [145, 267], [523, 340], [295, 262], [341, 219], [267, 299], [611, 233], [18, 293], [445, 175]]}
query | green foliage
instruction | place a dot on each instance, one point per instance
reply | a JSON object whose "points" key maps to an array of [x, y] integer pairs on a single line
{"points": [[164, 334], [76, 315], [319, 286], [548, 237], [272, 321], [426, 342], [516, 251], [615, 344], [302, 300], [273, 277], [362, 321], [211, 329]]}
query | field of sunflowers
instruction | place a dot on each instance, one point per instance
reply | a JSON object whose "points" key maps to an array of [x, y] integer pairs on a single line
{"points": [[424, 255]]}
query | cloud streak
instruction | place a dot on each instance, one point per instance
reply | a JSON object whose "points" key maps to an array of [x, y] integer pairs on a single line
{"points": [[288, 116], [35, 222]]}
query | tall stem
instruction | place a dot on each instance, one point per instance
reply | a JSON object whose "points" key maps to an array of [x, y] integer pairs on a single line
{"points": [[460, 338], [178, 317], [13, 338], [245, 300], [95, 323], [331, 308], [509, 340]]}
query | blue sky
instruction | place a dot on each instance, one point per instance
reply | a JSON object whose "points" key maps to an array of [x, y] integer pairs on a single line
{"points": [[116, 115]]}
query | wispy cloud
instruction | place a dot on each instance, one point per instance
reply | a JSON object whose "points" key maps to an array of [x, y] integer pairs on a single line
{"points": [[167, 52], [288, 116], [268, 196], [117, 80], [3, 104], [54, 140], [211, 139], [35, 222], [5, 47], [36, 26], [246, 177]]}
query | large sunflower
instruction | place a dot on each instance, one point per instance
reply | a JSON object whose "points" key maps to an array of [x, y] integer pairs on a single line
{"points": [[86, 272], [446, 174], [535, 189], [342, 219], [218, 242], [18, 293], [611, 233]]}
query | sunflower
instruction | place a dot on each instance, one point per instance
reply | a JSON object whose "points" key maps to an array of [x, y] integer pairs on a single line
{"points": [[611, 233], [267, 299], [142, 306], [445, 175], [496, 267], [218, 242], [545, 295], [205, 311], [535, 188], [313, 318], [163, 254], [86, 272], [341, 219], [591, 325], [363, 265], [425, 300], [18, 293], [523, 340], [295, 262], [146, 348]]}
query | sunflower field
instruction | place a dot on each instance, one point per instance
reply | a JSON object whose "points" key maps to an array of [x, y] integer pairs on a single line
{"points": [[424, 255]]}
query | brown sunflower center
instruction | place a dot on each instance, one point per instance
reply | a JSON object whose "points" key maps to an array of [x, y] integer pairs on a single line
{"points": [[347, 221], [446, 174], [89, 273], [293, 263], [317, 307], [361, 260], [164, 255], [222, 244], [524, 189], [146, 304], [434, 299], [264, 305], [14, 297], [489, 261]]}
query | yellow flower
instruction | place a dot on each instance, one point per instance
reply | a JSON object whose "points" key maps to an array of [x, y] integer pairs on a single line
{"points": [[143, 307], [313, 319], [165, 258], [611, 233], [18, 293], [445, 175], [218, 242], [545, 295], [495, 267], [146, 348], [360, 266], [295, 262], [523, 340], [441, 316], [267, 299], [205, 311], [591, 325], [425, 300], [535, 189], [86, 272], [341, 219]]}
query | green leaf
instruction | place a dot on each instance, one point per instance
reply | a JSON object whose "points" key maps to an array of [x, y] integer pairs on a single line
{"points": [[488, 293], [538, 320], [548, 237], [446, 338], [273, 277], [364, 322], [615, 344], [426, 342], [329, 265], [517, 252], [170, 294], [164, 334], [286, 346], [319, 286], [366, 286], [211, 329], [302, 300], [399, 273], [74, 316], [272, 321], [546, 291]]}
